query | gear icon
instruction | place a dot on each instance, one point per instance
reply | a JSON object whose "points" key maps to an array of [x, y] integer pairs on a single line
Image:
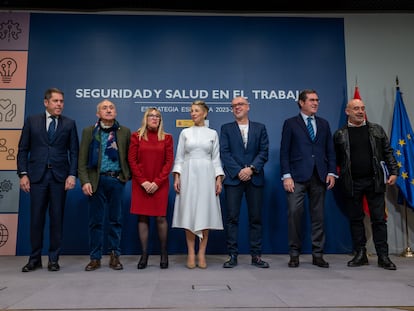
{"points": [[5, 186]]}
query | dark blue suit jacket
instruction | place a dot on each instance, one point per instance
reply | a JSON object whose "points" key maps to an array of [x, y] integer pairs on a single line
{"points": [[299, 155], [35, 149], [234, 156]]}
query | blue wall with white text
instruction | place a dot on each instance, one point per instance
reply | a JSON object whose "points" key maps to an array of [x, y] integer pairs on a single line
{"points": [[169, 61]]}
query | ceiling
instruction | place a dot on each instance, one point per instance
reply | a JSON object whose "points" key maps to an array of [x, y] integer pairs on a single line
{"points": [[253, 6]]}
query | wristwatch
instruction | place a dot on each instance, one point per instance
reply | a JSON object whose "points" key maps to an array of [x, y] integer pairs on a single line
{"points": [[254, 170]]}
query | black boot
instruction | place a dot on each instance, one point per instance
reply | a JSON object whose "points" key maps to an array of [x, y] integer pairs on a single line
{"points": [[359, 259], [385, 262], [143, 261]]}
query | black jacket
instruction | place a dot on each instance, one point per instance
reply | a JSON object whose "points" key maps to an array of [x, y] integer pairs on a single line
{"points": [[381, 151]]}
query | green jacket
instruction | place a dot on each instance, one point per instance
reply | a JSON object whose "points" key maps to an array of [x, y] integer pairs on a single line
{"points": [[87, 175]]}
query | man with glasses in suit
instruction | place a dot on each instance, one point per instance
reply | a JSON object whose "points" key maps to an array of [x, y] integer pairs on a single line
{"points": [[244, 150]]}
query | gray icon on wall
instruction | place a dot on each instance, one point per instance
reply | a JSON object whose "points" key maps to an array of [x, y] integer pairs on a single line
{"points": [[9, 31], [5, 186]]}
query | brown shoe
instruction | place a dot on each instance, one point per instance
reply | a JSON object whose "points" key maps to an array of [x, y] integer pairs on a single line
{"points": [[114, 262], [93, 265], [202, 264], [191, 262]]}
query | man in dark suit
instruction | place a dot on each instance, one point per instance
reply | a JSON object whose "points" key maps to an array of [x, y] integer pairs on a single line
{"points": [[103, 171], [47, 166], [244, 149], [308, 167]]}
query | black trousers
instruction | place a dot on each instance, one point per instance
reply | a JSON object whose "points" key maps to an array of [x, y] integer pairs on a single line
{"points": [[254, 198], [48, 195], [315, 190], [376, 205]]}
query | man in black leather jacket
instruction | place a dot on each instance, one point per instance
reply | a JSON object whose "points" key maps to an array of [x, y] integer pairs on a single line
{"points": [[366, 165]]}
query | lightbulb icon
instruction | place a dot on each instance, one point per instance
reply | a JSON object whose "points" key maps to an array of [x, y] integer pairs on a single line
{"points": [[8, 67]]}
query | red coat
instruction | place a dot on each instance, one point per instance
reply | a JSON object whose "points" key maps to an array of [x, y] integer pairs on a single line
{"points": [[150, 160]]}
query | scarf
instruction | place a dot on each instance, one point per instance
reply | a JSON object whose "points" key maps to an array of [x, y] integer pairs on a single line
{"points": [[111, 149]]}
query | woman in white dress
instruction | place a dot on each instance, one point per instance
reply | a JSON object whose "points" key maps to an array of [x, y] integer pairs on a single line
{"points": [[198, 176]]}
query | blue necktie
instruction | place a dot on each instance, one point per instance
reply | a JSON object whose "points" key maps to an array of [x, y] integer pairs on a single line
{"points": [[310, 129], [52, 128]]}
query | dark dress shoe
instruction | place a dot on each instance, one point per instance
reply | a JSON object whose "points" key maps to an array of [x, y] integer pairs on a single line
{"points": [[31, 266], [53, 266], [93, 265], [231, 262], [293, 262], [164, 261], [320, 262], [114, 262], [386, 263], [359, 259], [143, 262], [258, 262]]}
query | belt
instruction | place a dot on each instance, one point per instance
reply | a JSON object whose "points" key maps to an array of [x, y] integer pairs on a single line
{"points": [[110, 174]]}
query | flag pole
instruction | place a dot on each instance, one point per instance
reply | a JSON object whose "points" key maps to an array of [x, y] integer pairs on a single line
{"points": [[407, 251]]}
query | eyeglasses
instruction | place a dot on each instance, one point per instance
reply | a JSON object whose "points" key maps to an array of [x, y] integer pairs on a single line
{"points": [[238, 105], [154, 116]]}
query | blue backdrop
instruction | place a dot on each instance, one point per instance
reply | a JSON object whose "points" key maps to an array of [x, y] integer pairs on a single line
{"points": [[169, 61]]}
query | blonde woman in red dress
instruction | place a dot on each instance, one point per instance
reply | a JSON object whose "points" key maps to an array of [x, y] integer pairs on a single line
{"points": [[150, 158]]}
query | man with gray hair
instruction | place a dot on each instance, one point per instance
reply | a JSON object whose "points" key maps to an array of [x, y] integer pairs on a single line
{"points": [[103, 171]]}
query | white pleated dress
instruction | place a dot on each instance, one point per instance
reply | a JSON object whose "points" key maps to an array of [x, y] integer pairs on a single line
{"points": [[197, 160]]}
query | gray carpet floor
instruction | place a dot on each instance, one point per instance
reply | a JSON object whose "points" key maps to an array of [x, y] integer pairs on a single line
{"points": [[245, 287]]}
